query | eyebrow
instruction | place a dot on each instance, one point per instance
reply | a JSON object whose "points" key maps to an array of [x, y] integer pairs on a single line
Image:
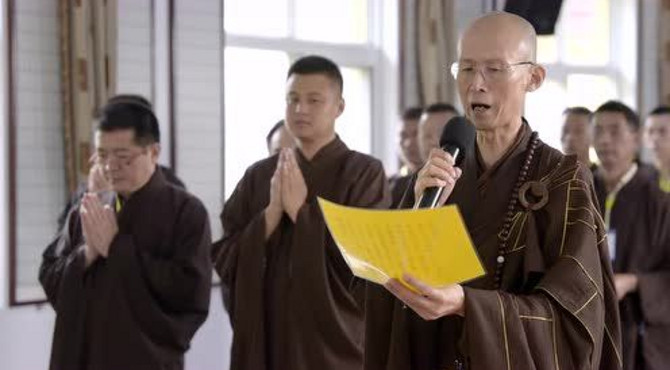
{"points": [[309, 94]]}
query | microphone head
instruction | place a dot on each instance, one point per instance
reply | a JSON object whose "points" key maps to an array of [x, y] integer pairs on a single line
{"points": [[458, 133]]}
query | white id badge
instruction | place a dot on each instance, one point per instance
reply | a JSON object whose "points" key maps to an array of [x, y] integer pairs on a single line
{"points": [[611, 243]]}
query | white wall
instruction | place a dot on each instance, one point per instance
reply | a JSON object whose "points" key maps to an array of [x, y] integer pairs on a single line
{"points": [[4, 163], [40, 179], [198, 96], [134, 48]]}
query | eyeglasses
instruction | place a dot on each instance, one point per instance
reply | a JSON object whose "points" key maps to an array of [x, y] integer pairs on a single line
{"points": [[491, 71], [123, 160]]}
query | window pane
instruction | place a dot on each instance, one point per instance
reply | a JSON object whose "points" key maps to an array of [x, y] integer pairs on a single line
{"points": [[544, 109], [254, 102], [547, 49], [585, 25], [354, 125], [590, 90], [256, 17], [341, 21]]}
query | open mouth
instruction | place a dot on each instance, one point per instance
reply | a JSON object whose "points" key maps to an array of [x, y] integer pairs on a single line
{"points": [[479, 107]]}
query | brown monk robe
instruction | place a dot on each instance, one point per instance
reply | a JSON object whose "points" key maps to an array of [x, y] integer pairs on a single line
{"points": [[547, 300], [641, 220], [398, 185], [135, 300], [292, 300], [637, 214], [553, 299]]}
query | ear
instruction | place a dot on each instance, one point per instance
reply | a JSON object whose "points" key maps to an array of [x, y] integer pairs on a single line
{"points": [[340, 107], [155, 150], [537, 76]]}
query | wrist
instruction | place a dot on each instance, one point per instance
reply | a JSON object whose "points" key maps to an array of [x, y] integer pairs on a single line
{"points": [[272, 218], [294, 211], [460, 301], [90, 254]]}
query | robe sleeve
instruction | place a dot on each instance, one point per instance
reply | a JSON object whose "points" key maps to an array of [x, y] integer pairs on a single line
{"points": [[242, 248], [170, 292], [311, 243], [653, 285], [570, 319], [63, 263]]}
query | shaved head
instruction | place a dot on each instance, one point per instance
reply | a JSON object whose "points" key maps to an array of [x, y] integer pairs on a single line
{"points": [[505, 28], [496, 68]]}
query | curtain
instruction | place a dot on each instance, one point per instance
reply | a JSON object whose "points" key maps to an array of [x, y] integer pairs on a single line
{"points": [[88, 71], [664, 52], [427, 47]]}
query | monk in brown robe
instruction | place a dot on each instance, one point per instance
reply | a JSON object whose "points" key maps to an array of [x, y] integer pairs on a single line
{"points": [[293, 302], [547, 300], [129, 281], [657, 138], [408, 152], [576, 136], [637, 216]]}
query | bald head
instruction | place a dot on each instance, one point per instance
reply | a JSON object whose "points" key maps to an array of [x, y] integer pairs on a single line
{"points": [[497, 67], [504, 29]]}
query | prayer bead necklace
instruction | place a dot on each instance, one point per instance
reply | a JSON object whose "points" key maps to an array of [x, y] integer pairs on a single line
{"points": [[509, 217]]}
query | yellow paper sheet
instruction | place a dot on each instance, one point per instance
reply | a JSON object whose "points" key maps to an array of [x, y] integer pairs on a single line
{"points": [[430, 244]]}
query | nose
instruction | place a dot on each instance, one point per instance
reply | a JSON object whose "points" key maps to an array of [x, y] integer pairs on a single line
{"points": [[110, 165], [300, 107], [478, 80]]}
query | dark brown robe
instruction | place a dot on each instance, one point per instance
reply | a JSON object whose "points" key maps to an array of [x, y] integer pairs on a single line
{"points": [[292, 300], [140, 307], [641, 220], [556, 308], [399, 185]]}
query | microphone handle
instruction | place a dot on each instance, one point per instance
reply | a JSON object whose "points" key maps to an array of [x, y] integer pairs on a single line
{"points": [[431, 195]]}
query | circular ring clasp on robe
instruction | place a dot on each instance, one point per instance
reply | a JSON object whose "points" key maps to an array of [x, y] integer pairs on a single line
{"points": [[533, 195]]}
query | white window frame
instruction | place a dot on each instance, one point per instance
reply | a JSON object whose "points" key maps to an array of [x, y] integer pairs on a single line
{"points": [[379, 55], [623, 71]]}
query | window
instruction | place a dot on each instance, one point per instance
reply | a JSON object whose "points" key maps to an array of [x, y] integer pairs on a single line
{"points": [[583, 67], [263, 37]]}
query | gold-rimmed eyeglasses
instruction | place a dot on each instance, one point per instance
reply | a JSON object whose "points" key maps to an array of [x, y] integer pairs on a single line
{"points": [[491, 71]]}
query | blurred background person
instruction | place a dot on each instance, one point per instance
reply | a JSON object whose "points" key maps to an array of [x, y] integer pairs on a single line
{"points": [[576, 134], [637, 219], [408, 153], [279, 138], [657, 139], [432, 121]]}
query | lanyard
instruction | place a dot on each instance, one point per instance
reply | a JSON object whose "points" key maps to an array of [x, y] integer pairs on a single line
{"points": [[117, 204], [664, 184], [611, 196]]}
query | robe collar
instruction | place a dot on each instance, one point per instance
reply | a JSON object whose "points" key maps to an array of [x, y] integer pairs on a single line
{"points": [[156, 182], [323, 156], [516, 149]]}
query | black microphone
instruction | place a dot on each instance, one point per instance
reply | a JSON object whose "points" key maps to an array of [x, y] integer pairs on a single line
{"points": [[457, 137]]}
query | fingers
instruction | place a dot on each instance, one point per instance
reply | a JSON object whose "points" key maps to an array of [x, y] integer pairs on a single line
{"points": [[418, 302], [89, 230], [421, 287], [94, 208], [440, 164], [110, 215], [442, 156]]}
